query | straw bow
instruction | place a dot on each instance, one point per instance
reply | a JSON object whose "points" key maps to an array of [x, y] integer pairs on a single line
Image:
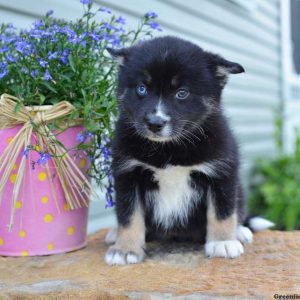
{"points": [[74, 183]]}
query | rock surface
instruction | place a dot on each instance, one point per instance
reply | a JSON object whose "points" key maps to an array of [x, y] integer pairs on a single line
{"points": [[271, 265]]}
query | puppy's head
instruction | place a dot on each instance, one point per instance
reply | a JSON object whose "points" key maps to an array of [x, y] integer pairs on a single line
{"points": [[168, 87]]}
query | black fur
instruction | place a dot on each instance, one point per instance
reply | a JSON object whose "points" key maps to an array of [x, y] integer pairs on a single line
{"points": [[207, 134]]}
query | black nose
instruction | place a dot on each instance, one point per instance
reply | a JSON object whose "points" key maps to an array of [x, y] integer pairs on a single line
{"points": [[155, 123]]}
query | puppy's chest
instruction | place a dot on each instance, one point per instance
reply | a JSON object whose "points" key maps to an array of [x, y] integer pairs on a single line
{"points": [[176, 196]]}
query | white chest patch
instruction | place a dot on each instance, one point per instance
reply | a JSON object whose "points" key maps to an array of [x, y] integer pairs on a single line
{"points": [[175, 198]]}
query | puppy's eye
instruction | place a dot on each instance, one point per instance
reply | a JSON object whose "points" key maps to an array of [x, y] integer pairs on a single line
{"points": [[141, 90], [182, 94]]}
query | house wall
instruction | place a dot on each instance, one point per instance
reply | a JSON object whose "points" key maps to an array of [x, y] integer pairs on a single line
{"points": [[247, 34]]}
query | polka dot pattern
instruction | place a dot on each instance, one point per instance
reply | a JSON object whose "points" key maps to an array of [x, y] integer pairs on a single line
{"points": [[19, 204], [48, 218], [22, 233], [44, 223], [42, 176], [45, 199], [70, 230], [13, 178]]}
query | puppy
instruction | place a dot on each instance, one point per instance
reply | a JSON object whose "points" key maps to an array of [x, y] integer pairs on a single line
{"points": [[175, 160]]}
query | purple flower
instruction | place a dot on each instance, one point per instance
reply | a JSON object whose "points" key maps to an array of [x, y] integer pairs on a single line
{"points": [[86, 2], [49, 13], [47, 75], [104, 9], [151, 15], [64, 56], [121, 20], [10, 58], [44, 157], [26, 152], [33, 73], [81, 137], [43, 63], [154, 25], [52, 55]]}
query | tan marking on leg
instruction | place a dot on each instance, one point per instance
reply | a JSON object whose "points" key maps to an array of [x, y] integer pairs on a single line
{"points": [[133, 235], [221, 238], [218, 230], [130, 243]]}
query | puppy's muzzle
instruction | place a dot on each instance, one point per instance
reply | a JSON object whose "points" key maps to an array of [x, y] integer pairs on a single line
{"points": [[155, 123]]}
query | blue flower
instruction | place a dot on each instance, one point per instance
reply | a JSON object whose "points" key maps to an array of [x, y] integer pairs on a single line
{"points": [[121, 20], [151, 15], [104, 9], [43, 63], [154, 25], [33, 73], [81, 137], [44, 157], [26, 152], [86, 2], [3, 73], [47, 75], [49, 13], [52, 55], [10, 58]]}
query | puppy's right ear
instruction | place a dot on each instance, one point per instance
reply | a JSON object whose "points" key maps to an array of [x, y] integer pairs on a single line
{"points": [[121, 55]]}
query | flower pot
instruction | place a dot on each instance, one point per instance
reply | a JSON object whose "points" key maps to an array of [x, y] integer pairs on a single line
{"points": [[43, 221]]}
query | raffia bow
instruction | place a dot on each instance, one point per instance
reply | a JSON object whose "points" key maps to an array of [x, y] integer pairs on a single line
{"points": [[74, 183]]}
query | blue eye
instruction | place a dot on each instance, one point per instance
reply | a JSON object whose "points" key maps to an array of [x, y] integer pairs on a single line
{"points": [[182, 94], [141, 90]]}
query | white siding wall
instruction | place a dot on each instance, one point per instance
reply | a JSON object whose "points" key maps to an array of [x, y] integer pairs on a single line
{"points": [[249, 37]]}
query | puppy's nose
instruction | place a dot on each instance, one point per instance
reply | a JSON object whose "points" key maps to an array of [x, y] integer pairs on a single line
{"points": [[155, 123]]}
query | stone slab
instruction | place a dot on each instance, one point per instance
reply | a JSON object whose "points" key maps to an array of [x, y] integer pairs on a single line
{"points": [[271, 265]]}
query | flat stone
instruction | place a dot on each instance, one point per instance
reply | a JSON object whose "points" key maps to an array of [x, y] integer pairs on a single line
{"points": [[271, 265]]}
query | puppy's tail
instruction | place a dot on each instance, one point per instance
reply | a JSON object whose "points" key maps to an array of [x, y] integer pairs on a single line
{"points": [[258, 223]]}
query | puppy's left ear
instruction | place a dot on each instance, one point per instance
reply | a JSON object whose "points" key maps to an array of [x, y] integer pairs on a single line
{"points": [[121, 55], [222, 67]]}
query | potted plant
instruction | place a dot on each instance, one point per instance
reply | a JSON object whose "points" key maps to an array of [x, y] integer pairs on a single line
{"points": [[57, 111]]}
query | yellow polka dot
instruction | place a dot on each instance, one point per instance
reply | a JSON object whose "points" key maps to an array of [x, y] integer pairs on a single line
{"points": [[50, 246], [22, 233], [42, 176], [9, 139], [37, 148], [24, 253], [48, 218], [70, 230], [19, 204], [15, 167], [45, 199], [1, 241], [66, 207], [82, 163], [13, 177]]}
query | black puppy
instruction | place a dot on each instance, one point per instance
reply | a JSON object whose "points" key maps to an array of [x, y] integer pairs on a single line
{"points": [[175, 160]]}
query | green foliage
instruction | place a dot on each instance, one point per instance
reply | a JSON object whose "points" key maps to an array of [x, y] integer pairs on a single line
{"points": [[58, 60], [275, 189]]}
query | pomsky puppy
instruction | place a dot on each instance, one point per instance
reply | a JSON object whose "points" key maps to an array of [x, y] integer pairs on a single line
{"points": [[175, 160]]}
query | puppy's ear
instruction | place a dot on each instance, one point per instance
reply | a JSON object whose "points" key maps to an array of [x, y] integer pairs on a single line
{"points": [[121, 55], [222, 67]]}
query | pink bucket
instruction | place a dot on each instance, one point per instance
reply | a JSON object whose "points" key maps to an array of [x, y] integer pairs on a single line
{"points": [[43, 223]]}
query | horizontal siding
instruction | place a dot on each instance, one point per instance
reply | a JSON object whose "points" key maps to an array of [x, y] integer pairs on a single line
{"points": [[251, 38]]}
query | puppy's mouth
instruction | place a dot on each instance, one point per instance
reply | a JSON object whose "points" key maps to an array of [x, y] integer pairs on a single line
{"points": [[162, 135]]}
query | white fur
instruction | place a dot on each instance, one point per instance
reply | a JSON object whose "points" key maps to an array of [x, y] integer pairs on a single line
{"points": [[174, 199], [111, 236], [244, 234], [227, 249], [114, 258], [259, 224], [160, 111]]}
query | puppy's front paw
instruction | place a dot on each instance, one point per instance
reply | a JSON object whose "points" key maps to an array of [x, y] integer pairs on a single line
{"points": [[227, 249], [117, 256]]}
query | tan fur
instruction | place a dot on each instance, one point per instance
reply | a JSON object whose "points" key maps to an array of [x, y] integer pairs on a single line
{"points": [[219, 230], [132, 237]]}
